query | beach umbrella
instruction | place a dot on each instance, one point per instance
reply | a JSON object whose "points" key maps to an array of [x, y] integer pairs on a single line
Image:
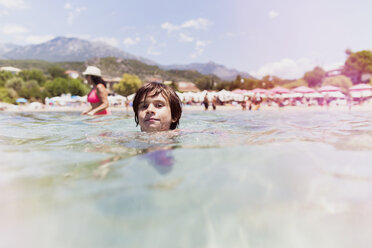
{"points": [[21, 100], [335, 94], [303, 90], [260, 91], [361, 87], [314, 95], [360, 93], [294, 95], [329, 88], [239, 91], [280, 90]]}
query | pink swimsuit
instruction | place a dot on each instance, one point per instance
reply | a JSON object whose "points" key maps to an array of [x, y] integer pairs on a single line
{"points": [[93, 98]]}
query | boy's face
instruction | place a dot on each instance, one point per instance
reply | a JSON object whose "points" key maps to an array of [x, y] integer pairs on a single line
{"points": [[154, 114]]}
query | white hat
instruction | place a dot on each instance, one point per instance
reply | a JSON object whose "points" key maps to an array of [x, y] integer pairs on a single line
{"points": [[92, 70]]}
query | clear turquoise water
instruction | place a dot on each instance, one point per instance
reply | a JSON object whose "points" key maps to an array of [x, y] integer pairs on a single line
{"points": [[227, 179]]}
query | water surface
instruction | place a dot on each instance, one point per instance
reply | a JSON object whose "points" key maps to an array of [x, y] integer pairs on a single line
{"points": [[225, 179]]}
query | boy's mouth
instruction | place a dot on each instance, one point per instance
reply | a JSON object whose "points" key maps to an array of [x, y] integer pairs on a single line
{"points": [[151, 119]]}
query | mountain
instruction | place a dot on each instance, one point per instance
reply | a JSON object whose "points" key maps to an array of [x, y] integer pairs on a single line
{"points": [[6, 47], [210, 68], [62, 49], [69, 49]]}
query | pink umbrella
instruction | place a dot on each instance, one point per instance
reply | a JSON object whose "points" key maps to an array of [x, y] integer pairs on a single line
{"points": [[260, 91], [303, 90], [239, 91], [329, 88], [280, 90], [360, 87]]}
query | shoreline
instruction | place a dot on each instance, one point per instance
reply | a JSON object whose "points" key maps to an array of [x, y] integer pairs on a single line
{"points": [[189, 108]]}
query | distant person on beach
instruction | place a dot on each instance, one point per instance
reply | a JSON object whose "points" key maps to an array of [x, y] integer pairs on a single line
{"points": [[97, 97], [214, 102], [206, 102], [157, 108], [244, 104]]}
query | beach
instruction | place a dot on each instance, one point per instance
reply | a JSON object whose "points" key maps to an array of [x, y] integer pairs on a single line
{"points": [[228, 107]]}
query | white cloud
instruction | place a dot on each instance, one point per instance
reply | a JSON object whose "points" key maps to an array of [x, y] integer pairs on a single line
{"points": [[285, 68], [199, 48], [185, 38], [169, 27], [273, 14], [68, 6], [13, 29], [332, 66], [14, 4], [151, 51], [73, 12], [153, 40], [36, 39], [199, 23], [108, 40], [131, 41]]}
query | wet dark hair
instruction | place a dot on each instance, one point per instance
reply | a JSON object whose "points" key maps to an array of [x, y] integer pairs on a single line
{"points": [[98, 80], [154, 89]]}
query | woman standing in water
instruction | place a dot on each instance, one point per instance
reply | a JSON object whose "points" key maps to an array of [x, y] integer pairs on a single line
{"points": [[97, 97]]}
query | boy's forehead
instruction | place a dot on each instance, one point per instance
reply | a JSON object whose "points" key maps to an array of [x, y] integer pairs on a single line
{"points": [[152, 96]]}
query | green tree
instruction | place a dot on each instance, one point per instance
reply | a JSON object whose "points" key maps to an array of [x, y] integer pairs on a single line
{"points": [[5, 76], [37, 75], [356, 64], [30, 89], [340, 81], [6, 95], [224, 85], [77, 88], [314, 78], [251, 83], [129, 84], [56, 72], [268, 82], [206, 82], [14, 83], [56, 87]]}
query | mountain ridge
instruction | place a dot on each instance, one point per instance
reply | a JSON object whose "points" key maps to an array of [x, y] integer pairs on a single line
{"points": [[70, 49]]}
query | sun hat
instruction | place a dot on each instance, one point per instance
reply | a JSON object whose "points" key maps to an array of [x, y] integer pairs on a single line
{"points": [[92, 70]]}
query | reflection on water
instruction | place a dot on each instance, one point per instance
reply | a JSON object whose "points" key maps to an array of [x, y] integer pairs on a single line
{"points": [[225, 179]]}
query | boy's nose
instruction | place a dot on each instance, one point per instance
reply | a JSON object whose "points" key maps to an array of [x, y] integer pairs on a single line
{"points": [[150, 108]]}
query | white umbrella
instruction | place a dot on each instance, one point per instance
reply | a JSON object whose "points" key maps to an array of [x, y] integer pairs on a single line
{"points": [[335, 94]]}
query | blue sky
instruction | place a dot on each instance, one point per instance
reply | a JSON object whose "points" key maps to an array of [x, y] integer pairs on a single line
{"points": [[284, 38]]}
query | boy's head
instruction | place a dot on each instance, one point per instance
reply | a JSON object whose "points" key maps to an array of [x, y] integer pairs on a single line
{"points": [[156, 107]]}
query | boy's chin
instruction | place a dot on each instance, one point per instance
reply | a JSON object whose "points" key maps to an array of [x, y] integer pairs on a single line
{"points": [[153, 128]]}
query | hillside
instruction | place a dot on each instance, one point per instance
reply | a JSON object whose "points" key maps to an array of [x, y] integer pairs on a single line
{"points": [[111, 67]]}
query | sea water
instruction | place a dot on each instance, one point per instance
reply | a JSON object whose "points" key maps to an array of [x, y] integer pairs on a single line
{"points": [[224, 179]]}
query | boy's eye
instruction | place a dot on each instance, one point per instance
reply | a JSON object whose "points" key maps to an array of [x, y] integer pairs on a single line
{"points": [[159, 105], [143, 106]]}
